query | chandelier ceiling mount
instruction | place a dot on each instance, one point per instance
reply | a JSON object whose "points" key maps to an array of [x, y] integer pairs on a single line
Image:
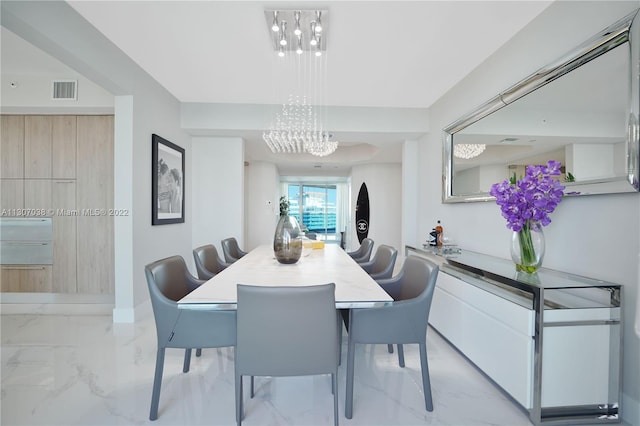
{"points": [[297, 31]]}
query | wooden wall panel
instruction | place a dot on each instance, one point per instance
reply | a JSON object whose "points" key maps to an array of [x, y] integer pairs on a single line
{"points": [[37, 146], [64, 274], [63, 147], [25, 278], [11, 195], [95, 193], [37, 195], [12, 146]]}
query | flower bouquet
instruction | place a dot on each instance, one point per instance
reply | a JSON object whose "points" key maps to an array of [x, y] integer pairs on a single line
{"points": [[526, 204]]}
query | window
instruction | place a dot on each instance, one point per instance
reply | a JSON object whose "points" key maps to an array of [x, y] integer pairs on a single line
{"points": [[318, 208]]}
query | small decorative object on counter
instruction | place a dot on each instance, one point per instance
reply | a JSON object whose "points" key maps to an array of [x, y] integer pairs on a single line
{"points": [[440, 232], [527, 204], [433, 237]]}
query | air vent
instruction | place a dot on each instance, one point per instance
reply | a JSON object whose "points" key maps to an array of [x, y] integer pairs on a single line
{"points": [[64, 90]]}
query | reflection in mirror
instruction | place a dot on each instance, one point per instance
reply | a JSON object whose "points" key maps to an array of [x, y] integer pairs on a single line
{"points": [[582, 119]]}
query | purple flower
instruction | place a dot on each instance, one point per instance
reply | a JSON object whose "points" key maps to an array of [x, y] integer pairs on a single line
{"points": [[531, 199]]}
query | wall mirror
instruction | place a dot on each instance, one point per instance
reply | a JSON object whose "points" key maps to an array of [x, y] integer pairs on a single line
{"points": [[581, 110]]}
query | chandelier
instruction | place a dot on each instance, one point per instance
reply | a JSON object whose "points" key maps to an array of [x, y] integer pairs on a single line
{"points": [[296, 130], [468, 150], [299, 40]]}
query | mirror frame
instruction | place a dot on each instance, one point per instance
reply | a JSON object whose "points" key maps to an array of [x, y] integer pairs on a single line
{"points": [[625, 30]]}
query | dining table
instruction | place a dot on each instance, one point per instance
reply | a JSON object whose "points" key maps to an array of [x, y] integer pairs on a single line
{"points": [[330, 264]]}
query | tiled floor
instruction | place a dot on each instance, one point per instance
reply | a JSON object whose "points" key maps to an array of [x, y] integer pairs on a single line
{"points": [[84, 370]]}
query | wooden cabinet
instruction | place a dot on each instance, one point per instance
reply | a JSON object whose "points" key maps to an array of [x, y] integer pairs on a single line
{"points": [[12, 146], [64, 274], [37, 146], [61, 165], [63, 147], [25, 278], [95, 193], [11, 195], [37, 196]]}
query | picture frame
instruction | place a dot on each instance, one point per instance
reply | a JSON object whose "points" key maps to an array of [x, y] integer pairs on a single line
{"points": [[167, 182]]}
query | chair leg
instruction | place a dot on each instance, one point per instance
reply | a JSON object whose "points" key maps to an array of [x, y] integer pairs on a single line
{"points": [[187, 361], [390, 348], [157, 383], [333, 383], [426, 383], [401, 355], [238, 399], [334, 389], [348, 406], [253, 393], [198, 351], [339, 337]]}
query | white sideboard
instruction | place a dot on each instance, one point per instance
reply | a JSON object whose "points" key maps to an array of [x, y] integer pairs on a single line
{"points": [[551, 340]]}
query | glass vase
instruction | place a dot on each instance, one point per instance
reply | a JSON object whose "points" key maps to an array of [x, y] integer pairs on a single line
{"points": [[287, 240], [527, 248]]}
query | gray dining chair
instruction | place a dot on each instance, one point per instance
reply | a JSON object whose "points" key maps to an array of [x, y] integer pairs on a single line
{"points": [[169, 281], [208, 263], [286, 331], [231, 250], [382, 264], [404, 321], [363, 254]]}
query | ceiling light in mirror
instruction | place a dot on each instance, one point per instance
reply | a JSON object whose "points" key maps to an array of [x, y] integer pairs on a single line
{"points": [[467, 151]]}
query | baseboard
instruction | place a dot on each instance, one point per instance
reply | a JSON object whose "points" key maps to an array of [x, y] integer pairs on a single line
{"points": [[56, 309], [55, 304]]}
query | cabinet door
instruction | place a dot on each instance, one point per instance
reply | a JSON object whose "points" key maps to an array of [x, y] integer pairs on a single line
{"points": [[95, 191], [37, 196], [492, 332], [63, 147], [37, 146], [64, 237], [11, 196], [12, 146], [25, 279]]}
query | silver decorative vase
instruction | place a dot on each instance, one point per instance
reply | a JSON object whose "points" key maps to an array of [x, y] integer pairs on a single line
{"points": [[287, 240]]}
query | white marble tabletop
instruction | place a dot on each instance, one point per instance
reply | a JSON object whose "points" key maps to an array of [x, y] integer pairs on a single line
{"points": [[354, 287]]}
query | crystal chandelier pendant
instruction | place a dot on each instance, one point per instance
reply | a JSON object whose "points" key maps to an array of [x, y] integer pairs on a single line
{"points": [[295, 131], [320, 145]]}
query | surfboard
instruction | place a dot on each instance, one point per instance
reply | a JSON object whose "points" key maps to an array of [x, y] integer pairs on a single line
{"points": [[362, 213]]}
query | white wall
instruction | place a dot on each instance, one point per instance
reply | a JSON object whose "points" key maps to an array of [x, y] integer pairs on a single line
{"points": [[262, 203], [33, 90], [595, 236], [218, 185], [590, 161], [154, 111], [384, 185], [410, 198]]}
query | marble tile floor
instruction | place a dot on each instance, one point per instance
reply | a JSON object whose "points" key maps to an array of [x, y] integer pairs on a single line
{"points": [[84, 370]]}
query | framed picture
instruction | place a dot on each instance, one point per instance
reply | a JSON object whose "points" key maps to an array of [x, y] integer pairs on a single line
{"points": [[167, 182]]}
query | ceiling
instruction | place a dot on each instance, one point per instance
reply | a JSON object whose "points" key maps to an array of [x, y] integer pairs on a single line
{"points": [[383, 54]]}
